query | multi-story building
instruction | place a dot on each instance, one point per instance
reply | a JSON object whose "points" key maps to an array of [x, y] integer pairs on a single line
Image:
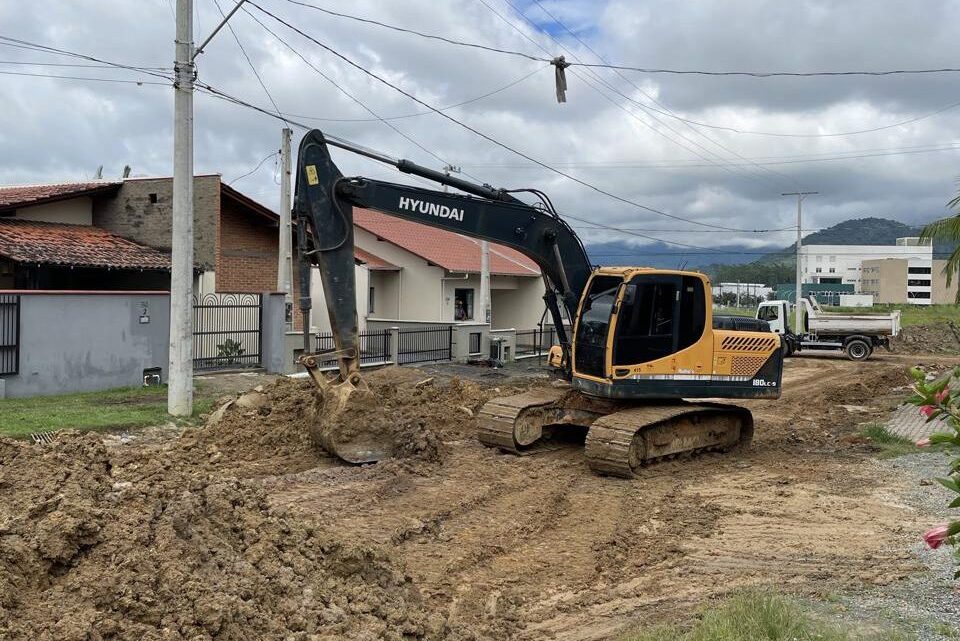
{"points": [[843, 264], [898, 280]]}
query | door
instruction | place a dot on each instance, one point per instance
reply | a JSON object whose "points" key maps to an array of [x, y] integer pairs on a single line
{"points": [[773, 314], [593, 326]]}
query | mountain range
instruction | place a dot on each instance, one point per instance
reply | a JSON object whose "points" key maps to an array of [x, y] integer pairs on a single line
{"points": [[857, 231]]}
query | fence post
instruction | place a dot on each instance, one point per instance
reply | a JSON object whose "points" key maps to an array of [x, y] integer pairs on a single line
{"points": [[394, 344]]}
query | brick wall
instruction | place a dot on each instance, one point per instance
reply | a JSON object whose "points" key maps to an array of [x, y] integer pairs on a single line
{"points": [[142, 212], [247, 256]]}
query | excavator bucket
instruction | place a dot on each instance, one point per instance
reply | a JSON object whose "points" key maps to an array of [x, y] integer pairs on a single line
{"points": [[331, 426]]}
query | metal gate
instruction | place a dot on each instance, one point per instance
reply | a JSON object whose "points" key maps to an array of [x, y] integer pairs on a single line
{"points": [[227, 331], [425, 344], [9, 334]]}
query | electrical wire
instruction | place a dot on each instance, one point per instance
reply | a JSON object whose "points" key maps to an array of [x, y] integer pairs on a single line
{"points": [[337, 86], [65, 77], [476, 131], [664, 109], [24, 44], [424, 113], [33, 63], [247, 58], [254, 170], [607, 65]]}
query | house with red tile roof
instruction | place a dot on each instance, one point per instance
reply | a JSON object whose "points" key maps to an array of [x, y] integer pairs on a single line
{"points": [[115, 235], [429, 274]]}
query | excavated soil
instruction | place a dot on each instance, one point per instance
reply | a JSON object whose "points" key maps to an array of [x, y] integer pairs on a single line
{"points": [[934, 338], [242, 529]]}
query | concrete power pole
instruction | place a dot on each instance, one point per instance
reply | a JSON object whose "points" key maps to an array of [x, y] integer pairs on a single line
{"points": [[285, 253], [180, 375], [798, 295]]}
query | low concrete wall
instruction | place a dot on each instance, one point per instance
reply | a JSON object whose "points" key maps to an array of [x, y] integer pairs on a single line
{"points": [[273, 331], [76, 342]]}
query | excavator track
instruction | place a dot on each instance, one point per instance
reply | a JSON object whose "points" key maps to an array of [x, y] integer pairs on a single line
{"points": [[515, 423], [620, 444]]}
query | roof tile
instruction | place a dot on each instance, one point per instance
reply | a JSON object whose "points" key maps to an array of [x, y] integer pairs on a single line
{"points": [[25, 195], [28, 241], [447, 249]]}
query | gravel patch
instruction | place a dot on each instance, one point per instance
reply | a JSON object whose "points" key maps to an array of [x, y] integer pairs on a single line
{"points": [[927, 604]]}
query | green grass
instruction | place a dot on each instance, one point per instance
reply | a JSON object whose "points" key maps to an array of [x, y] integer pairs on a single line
{"points": [[888, 445], [909, 314], [113, 409], [759, 616]]}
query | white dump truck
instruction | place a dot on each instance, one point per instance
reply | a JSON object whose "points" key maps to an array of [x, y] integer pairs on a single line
{"points": [[856, 335]]}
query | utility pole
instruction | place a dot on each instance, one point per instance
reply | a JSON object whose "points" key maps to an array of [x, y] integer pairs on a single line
{"points": [[484, 303], [180, 374], [285, 253], [798, 328]]}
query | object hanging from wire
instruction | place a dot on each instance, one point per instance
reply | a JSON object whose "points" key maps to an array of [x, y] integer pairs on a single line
{"points": [[560, 64]]}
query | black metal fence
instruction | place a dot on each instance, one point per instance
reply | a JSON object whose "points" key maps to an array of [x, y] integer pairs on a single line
{"points": [[227, 331], [425, 344], [9, 334], [374, 347], [535, 342]]}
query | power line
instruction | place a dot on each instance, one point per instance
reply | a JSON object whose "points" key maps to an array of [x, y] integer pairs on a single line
{"points": [[65, 77], [335, 84], [424, 113], [477, 132], [665, 110], [606, 65], [33, 63], [252, 171], [681, 163], [247, 58], [24, 44]]}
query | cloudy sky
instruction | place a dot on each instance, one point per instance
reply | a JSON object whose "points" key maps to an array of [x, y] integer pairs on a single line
{"points": [[627, 133]]}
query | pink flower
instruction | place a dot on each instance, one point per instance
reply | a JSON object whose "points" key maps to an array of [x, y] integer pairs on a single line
{"points": [[935, 537], [924, 442], [942, 396], [928, 410]]}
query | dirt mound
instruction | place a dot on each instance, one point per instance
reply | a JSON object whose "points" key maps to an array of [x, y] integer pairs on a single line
{"points": [[408, 412], [93, 550], [935, 338]]}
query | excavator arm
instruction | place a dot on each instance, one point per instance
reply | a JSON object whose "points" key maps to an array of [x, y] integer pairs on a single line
{"points": [[323, 210]]}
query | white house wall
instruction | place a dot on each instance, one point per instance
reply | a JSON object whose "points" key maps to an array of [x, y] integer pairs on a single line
{"points": [[518, 307], [75, 211], [319, 319], [419, 286]]}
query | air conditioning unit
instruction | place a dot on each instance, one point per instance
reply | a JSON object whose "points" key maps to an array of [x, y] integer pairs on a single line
{"points": [[499, 352]]}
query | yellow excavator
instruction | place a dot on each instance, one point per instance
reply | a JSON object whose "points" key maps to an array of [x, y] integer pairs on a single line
{"points": [[644, 341]]}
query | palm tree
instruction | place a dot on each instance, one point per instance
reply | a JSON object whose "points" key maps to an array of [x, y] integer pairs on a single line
{"points": [[947, 229]]}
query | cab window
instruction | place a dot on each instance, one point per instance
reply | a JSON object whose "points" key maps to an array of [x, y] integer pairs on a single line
{"points": [[769, 313]]}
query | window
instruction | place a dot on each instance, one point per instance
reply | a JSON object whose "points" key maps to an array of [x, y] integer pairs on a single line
{"points": [[153, 199], [462, 304], [833, 259], [916, 282], [819, 259], [833, 270], [769, 313], [591, 341], [918, 270], [371, 297], [819, 269]]}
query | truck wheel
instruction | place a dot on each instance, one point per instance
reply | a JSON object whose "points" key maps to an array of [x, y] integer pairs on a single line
{"points": [[786, 347], [858, 350]]}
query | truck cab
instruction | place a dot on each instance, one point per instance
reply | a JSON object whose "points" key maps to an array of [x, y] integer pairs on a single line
{"points": [[856, 335]]}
